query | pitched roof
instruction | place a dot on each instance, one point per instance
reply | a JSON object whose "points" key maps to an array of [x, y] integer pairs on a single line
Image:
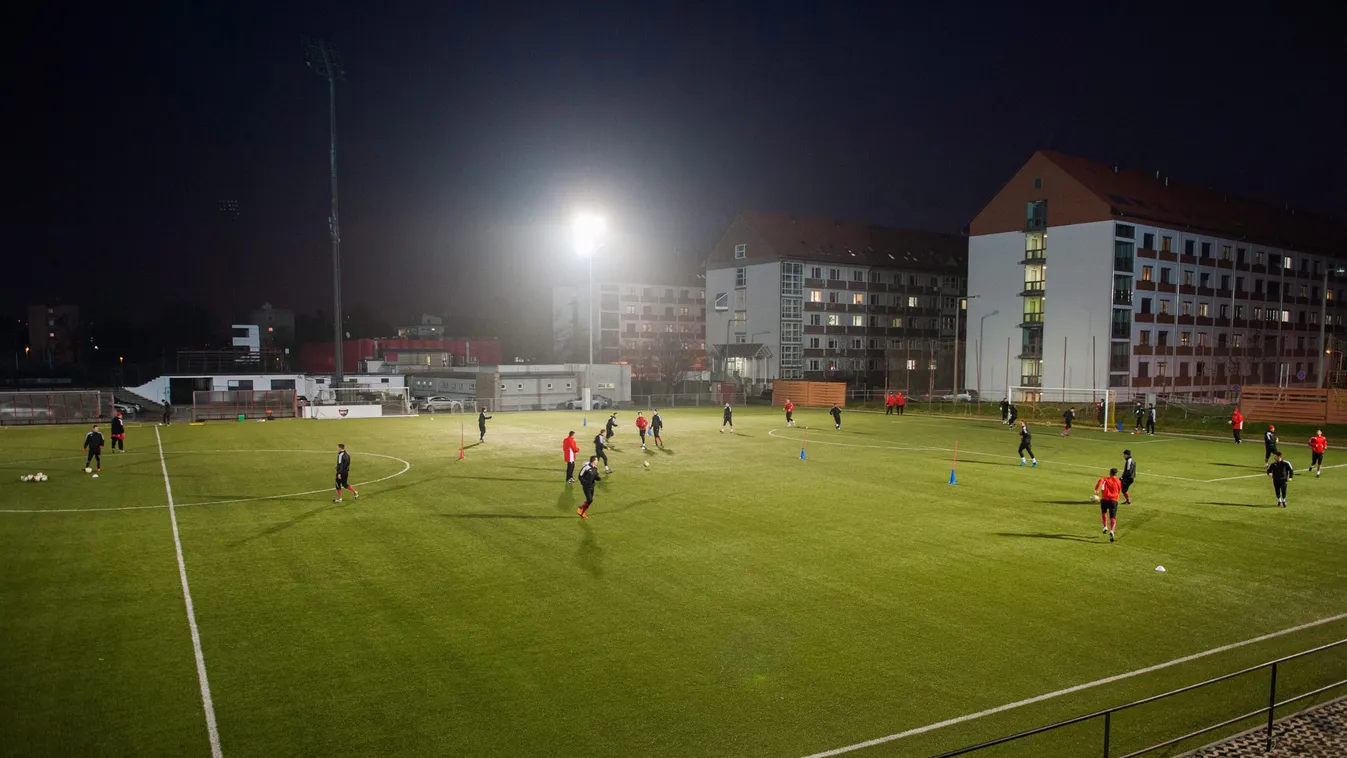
{"points": [[1142, 196], [830, 241]]}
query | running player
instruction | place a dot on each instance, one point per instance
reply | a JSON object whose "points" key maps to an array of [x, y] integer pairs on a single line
{"points": [[1269, 443], [600, 452], [1067, 417], [589, 474], [1282, 473], [641, 425], [1108, 489], [610, 428], [1026, 444], [790, 413], [837, 416], [1129, 475], [727, 419], [1318, 444], [344, 474]]}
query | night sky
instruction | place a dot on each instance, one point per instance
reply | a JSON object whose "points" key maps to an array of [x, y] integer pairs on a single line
{"points": [[469, 132]]}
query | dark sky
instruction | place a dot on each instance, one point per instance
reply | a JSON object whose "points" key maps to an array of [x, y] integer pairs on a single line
{"points": [[469, 132]]}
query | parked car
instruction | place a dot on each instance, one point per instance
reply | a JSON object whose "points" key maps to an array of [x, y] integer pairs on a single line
{"points": [[126, 409], [440, 404], [12, 411], [598, 401]]}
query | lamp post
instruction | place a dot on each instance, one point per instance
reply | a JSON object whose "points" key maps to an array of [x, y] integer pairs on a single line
{"points": [[1323, 322], [959, 305], [325, 61], [982, 325], [586, 229]]}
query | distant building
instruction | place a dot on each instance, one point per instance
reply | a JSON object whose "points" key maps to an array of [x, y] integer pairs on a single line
{"points": [[276, 326], [53, 334], [635, 324], [402, 356], [429, 328], [825, 300], [1206, 290]]}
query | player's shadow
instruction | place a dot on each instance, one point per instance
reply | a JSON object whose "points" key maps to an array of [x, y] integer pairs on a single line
{"points": [[589, 556], [1244, 505], [471, 446], [566, 500], [297, 519], [500, 479], [667, 451], [1047, 536]]}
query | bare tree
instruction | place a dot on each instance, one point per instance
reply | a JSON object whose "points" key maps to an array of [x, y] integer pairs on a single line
{"points": [[672, 357]]}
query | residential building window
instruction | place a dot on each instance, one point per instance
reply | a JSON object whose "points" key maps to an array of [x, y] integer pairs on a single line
{"points": [[1236, 340], [792, 278], [1162, 338], [1206, 249], [1187, 307], [857, 298], [1148, 241], [1257, 312], [1145, 337], [1224, 311], [858, 275], [1164, 307], [682, 310], [1304, 291], [791, 308], [815, 296], [1221, 340], [911, 364], [832, 296], [722, 301], [1126, 231], [912, 301], [833, 343], [740, 277], [876, 299], [813, 343], [1225, 282], [1202, 310], [1166, 275], [1201, 339], [834, 274], [1239, 284], [1190, 247], [897, 322], [1187, 278], [814, 364], [631, 309], [1241, 256], [1160, 368], [857, 320], [1166, 244], [815, 272], [1225, 252], [1257, 286], [740, 252], [1200, 368], [668, 328], [1204, 281], [816, 319], [1286, 263], [935, 282], [874, 321], [834, 319], [1147, 273], [1143, 369], [857, 343], [1258, 257], [1145, 305]]}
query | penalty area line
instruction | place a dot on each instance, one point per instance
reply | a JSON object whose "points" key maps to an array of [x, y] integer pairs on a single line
{"points": [[1077, 688], [207, 705], [1263, 474]]}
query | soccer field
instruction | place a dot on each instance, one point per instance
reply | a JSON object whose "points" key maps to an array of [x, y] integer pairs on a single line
{"points": [[730, 600]]}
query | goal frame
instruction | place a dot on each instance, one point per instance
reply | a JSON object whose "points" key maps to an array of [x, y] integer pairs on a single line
{"points": [[1067, 396]]}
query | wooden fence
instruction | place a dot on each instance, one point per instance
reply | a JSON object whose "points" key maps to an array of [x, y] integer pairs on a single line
{"points": [[810, 394], [1294, 404]]}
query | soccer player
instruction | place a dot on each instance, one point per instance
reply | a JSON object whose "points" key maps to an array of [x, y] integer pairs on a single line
{"points": [[727, 420], [1108, 488], [1281, 473], [657, 429], [1318, 444], [1067, 417], [641, 425], [1237, 425], [599, 452], [482, 418], [837, 416], [1005, 410], [1026, 443], [1150, 419], [93, 445], [344, 474], [1140, 413], [1129, 475], [1099, 412], [902, 403], [1012, 414], [790, 413], [1269, 443], [889, 402], [118, 433], [168, 412], [610, 428], [589, 474], [569, 449]]}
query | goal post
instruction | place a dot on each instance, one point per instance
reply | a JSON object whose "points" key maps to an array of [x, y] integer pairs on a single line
{"points": [[1051, 402], [362, 402], [224, 405]]}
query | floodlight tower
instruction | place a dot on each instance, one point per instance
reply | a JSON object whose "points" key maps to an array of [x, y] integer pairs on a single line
{"points": [[324, 59]]}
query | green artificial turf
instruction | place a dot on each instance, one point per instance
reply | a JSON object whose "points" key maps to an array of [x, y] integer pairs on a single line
{"points": [[730, 600]]}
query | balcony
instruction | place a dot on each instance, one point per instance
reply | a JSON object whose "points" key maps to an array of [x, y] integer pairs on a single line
{"points": [[1036, 224], [1035, 256], [1146, 252], [1121, 332], [1033, 353], [1124, 263], [1031, 381], [1032, 321], [1122, 297], [1033, 289]]}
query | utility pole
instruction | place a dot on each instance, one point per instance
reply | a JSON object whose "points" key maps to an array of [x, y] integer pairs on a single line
{"points": [[324, 59]]}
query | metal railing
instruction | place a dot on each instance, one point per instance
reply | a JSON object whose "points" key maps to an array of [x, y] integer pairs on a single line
{"points": [[1107, 714]]}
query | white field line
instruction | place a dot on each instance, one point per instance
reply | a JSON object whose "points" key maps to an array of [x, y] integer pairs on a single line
{"points": [[1263, 474], [211, 730], [896, 446], [1076, 688], [405, 468]]}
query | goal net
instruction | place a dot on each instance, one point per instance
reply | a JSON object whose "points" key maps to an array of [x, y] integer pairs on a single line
{"points": [[361, 402], [1094, 407], [219, 405], [68, 407]]}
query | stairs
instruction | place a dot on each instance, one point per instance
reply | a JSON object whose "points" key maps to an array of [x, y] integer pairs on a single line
{"points": [[150, 406]]}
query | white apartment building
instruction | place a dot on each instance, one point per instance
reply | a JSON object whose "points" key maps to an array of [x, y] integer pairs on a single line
{"points": [[818, 299], [1088, 276], [631, 320]]}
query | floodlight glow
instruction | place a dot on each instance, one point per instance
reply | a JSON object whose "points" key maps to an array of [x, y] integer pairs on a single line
{"points": [[586, 230]]}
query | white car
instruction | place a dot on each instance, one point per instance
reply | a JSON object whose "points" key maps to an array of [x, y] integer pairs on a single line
{"points": [[598, 401], [440, 405], [126, 409]]}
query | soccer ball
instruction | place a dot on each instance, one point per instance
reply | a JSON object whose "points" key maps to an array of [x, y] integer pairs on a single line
{"points": [[87, 470], [41, 477], [26, 478], [647, 464], [1094, 498], [95, 476], [722, 431]]}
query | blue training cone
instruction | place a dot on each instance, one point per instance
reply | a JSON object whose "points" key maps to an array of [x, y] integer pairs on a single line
{"points": [[802, 454], [951, 477], [584, 421]]}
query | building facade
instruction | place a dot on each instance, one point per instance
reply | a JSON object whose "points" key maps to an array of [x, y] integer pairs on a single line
{"points": [[651, 327], [817, 299], [1155, 286], [276, 326], [54, 334]]}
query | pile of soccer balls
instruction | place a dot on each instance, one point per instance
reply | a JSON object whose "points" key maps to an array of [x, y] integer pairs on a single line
{"points": [[38, 477]]}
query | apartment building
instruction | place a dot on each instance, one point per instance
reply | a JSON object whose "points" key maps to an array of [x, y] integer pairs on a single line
{"points": [[1155, 286], [635, 324], [819, 299], [54, 334]]}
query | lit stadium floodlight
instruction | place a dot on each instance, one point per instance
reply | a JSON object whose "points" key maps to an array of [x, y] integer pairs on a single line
{"points": [[586, 232]]}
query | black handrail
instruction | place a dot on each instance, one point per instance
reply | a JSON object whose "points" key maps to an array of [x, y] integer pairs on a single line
{"points": [[1270, 709]]}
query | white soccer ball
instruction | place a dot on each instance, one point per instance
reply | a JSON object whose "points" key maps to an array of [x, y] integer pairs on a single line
{"points": [[95, 476], [722, 431], [26, 478], [41, 477], [647, 464], [1094, 498], [87, 470]]}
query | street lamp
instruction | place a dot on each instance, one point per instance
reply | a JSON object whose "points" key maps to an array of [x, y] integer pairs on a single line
{"points": [[1323, 322], [982, 325], [959, 305], [586, 229]]}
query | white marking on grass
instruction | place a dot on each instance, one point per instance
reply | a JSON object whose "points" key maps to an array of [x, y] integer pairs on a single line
{"points": [[405, 468], [211, 730], [898, 446], [1263, 474], [1076, 688]]}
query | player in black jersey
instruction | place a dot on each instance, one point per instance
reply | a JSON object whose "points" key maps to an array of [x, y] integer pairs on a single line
{"points": [[1026, 444], [93, 445]]}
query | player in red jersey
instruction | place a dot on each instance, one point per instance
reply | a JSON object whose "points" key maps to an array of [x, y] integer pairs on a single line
{"points": [[641, 425], [790, 413], [1318, 444], [569, 449], [1108, 489]]}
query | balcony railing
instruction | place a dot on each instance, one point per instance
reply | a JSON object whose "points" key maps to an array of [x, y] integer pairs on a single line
{"points": [[1035, 256], [1032, 320], [1124, 263], [1031, 381], [1033, 289], [1122, 332], [1122, 297], [1031, 353]]}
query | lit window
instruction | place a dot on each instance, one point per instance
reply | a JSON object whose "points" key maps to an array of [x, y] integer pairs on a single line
{"points": [[858, 320], [815, 296], [834, 319], [857, 298]]}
